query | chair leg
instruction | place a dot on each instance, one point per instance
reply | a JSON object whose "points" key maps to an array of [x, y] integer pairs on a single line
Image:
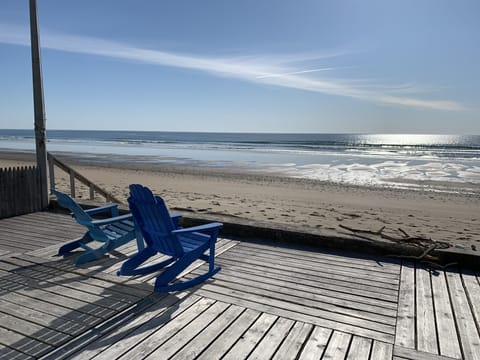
{"points": [[93, 254], [182, 285], [165, 278], [65, 249], [131, 266]]}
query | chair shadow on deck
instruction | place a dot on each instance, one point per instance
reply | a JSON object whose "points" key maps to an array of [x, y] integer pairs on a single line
{"points": [[47, 306]]}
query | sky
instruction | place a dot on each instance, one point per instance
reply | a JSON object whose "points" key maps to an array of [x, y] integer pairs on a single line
{"points": [[308, 66]]}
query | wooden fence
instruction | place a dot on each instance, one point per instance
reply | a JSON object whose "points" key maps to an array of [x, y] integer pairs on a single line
{"points": [[20, 191]]}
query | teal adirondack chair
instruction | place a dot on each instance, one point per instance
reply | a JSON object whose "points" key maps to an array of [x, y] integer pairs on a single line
{"points": [[113, 232], [163, 236]]}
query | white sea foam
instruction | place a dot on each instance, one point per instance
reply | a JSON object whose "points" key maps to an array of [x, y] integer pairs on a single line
{"points": [[373, 160]]}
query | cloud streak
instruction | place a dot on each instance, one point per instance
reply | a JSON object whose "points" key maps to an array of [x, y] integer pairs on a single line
{"points": [[275, 71]]}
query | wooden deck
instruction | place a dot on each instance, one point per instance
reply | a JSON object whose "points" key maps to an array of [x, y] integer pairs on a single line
{"points": [[268, 302]]}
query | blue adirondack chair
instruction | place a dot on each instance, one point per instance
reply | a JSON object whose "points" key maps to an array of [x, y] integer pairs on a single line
{"points": [[112, 232], [163, 236]]}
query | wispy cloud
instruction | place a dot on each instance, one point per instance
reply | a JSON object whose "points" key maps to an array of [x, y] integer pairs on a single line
{"points": [[282, 70]]}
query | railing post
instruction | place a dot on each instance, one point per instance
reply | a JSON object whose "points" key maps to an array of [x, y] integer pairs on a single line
{"points": [[72, 183], [51, 172], [53, 161]]}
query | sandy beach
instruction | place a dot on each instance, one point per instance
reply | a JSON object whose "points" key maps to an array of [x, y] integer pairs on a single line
{"points": [[274, 200]]}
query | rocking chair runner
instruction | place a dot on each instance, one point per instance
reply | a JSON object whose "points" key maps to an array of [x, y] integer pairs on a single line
{"points": [[163, 236], [112, 232]]}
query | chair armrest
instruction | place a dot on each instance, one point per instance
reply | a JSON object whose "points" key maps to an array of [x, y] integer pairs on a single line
{"points": [[113, 208], [200, 228], [112, 220]]}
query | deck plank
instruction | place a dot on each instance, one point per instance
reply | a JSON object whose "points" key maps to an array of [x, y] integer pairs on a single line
{"points": [[447, 333], [244, 346], [182, 337], [381, 351], [405, 329], [164, 333], [467, 330], [402, 353], [272, 340], [337, 347], [367, 294], [195, 347], [22, 344], [332, 272], [315, 345], [426, 327], [315, 254], [12, 354], [359, 348], [338, 308], [298, 312], [472, 289], [340, 298], [112, 344], [292, 345], [230, 336]]}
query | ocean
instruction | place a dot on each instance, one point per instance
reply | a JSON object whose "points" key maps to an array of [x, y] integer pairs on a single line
{"points": [[428, 162]]}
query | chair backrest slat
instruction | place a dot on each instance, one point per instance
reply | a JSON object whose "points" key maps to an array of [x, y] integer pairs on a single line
{"points": [[67, 202], [150, 212], [80, 215]]}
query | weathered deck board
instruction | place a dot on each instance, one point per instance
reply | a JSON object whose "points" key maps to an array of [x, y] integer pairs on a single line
{"points": [[426, 332], [467, 329], [268, 346], [196, 346], [230, 336], [359, 348], [294, 341], [182, 337], [112, 343], [269, 301], [49, 228], [345, 279], [337, 347], [315, 345], [401, 353], [286, 298], [251, 337], [447, 333]]}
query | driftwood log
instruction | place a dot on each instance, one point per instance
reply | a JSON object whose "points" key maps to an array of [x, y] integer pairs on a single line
{"points": [[427, 244]]}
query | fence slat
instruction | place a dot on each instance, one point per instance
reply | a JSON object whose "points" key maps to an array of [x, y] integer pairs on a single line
{"points": [[20, 191]]}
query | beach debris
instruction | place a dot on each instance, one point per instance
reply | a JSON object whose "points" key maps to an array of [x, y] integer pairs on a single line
{"points": [[413, 240], [427, 244], [474, 248]]}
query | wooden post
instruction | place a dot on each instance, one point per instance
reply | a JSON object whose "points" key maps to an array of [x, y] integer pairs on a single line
{"points": [[51, 171], [39, 106], [72, 183]]}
